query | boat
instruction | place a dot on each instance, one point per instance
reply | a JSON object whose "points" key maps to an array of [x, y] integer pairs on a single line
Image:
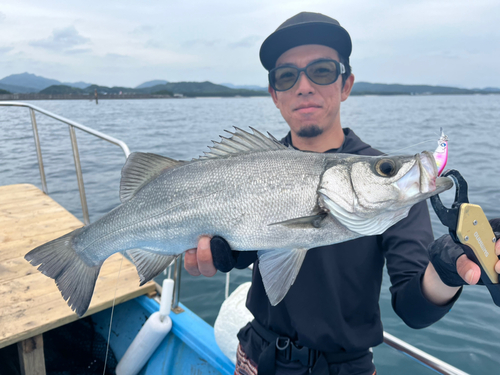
{"points": [[32, 308]]}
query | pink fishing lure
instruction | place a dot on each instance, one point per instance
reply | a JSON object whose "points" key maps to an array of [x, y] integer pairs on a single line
{"points": [[441, 153]]}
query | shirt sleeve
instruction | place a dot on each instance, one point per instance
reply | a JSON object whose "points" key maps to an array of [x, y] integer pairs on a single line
{"points": [[405, 246], [245, 258]]}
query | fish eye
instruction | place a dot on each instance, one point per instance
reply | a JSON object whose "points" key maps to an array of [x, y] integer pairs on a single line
{"points": [[386, 168]]}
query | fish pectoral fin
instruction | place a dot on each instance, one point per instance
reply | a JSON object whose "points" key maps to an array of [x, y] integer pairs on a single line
{"points": [[306, 221], [279, 269], [149, 264], [140, 169]]}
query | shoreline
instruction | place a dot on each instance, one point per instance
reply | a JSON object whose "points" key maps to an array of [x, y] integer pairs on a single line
{"points": [[36, 96], [89, 97]]}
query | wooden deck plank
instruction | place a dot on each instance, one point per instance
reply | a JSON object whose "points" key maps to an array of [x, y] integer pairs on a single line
{"points": [[30, 303], [11, 193], [12, 213]]}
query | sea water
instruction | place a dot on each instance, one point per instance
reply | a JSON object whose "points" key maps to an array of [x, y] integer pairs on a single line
{"points": [[468, 337]]}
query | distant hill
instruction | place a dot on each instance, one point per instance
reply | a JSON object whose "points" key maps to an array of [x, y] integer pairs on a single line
{"points": [[61, 90], [164, 92], [104, 90], [30, 83], [17, 89], [27, 82], [151, 83], [366, 88], [3, 92], [79, 85], [246, 87], [202, 89], [491, 89], [189, 89]]}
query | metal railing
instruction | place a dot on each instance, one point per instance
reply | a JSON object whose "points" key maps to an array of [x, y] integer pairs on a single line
{"points": [[421, 356], [76, 156], [400, 345], [78, 168]]}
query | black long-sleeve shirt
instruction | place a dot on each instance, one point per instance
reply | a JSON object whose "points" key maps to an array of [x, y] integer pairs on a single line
{"points": [[334, 303]]}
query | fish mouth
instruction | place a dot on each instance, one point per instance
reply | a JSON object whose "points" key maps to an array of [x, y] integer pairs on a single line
{"points": [[422, 179]]}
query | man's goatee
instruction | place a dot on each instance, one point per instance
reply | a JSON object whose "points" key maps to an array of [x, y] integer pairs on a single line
{"points": [[310, 132]]}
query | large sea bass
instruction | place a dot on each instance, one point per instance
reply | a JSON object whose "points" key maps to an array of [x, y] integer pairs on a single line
{"points": [[252, 191]]}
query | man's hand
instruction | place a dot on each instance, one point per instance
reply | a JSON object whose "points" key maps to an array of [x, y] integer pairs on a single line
{"points": [[212, 254], [450, 268], [199, 261]]}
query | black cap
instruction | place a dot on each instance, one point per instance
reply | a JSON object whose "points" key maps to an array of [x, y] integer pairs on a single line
{"points": [[305, 28]]}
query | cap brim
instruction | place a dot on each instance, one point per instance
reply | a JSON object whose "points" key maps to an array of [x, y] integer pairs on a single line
{"points": [[322, 33]]}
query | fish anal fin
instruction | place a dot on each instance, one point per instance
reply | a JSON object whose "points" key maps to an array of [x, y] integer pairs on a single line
{"points": [[140, 169], [149, 264], [306, 221], [279, 269]]}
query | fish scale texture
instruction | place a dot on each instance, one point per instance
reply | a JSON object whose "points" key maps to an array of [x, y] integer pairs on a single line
{"points": [[235, 197]]}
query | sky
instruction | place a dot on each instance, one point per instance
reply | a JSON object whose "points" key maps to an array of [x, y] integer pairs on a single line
{"points": [[125, 43]]}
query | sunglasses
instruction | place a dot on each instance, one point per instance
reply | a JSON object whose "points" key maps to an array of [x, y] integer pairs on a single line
{"points": [[320, 72]]}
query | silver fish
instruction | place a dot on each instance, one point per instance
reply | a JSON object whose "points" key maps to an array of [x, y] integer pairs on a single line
{"points": [[250, 190]]}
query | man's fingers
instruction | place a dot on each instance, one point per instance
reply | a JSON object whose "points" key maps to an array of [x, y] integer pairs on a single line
{"points": [[205, 261], [468, 270], [199, 261], [191, 262]]}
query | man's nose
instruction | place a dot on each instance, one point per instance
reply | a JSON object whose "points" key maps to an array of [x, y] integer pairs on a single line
{"points": [[304, 85]]}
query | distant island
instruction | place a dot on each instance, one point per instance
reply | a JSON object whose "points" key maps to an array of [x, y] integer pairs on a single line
{"points": [[26, 86], [366, 88], [40, 87]]}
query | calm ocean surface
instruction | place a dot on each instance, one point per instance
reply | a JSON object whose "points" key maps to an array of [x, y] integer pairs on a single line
{"points": [[468, 337]]}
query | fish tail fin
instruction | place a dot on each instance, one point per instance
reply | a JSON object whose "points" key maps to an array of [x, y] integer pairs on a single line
{"points": [[73, 276]]}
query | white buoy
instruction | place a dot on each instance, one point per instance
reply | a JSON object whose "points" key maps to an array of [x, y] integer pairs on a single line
{"points": [[150, 336]]}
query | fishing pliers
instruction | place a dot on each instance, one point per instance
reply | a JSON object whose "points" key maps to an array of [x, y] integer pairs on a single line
{"points": [[469, 226]]}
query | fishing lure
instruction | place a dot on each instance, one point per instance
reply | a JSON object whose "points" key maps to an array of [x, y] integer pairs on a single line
{"points": [[441, 152]]}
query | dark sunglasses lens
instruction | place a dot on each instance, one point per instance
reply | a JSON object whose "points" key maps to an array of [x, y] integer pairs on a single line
{"points": [[284, 78], [323, 72]]}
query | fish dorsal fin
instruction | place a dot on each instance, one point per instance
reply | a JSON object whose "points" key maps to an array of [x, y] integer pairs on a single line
{"points": [[279, 269], [242, 142], [140, 169], [148, 264]]}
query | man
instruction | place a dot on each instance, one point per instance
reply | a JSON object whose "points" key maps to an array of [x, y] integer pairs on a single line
{"points": [[330, 317]]}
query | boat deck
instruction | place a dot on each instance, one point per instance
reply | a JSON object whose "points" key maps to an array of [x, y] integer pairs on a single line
{"points": [[30, 302]]}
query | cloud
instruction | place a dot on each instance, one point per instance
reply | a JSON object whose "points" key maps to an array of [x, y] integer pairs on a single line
{"points": [[152, 43], [2, 16], [246, 42], [117, 57], [77, 51], [201, 42], [143, 29], [4, 50], [61, 40]]}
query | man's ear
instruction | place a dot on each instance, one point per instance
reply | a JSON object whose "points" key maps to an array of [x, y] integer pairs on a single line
{"points": [[346, 90], [272, 91]]}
